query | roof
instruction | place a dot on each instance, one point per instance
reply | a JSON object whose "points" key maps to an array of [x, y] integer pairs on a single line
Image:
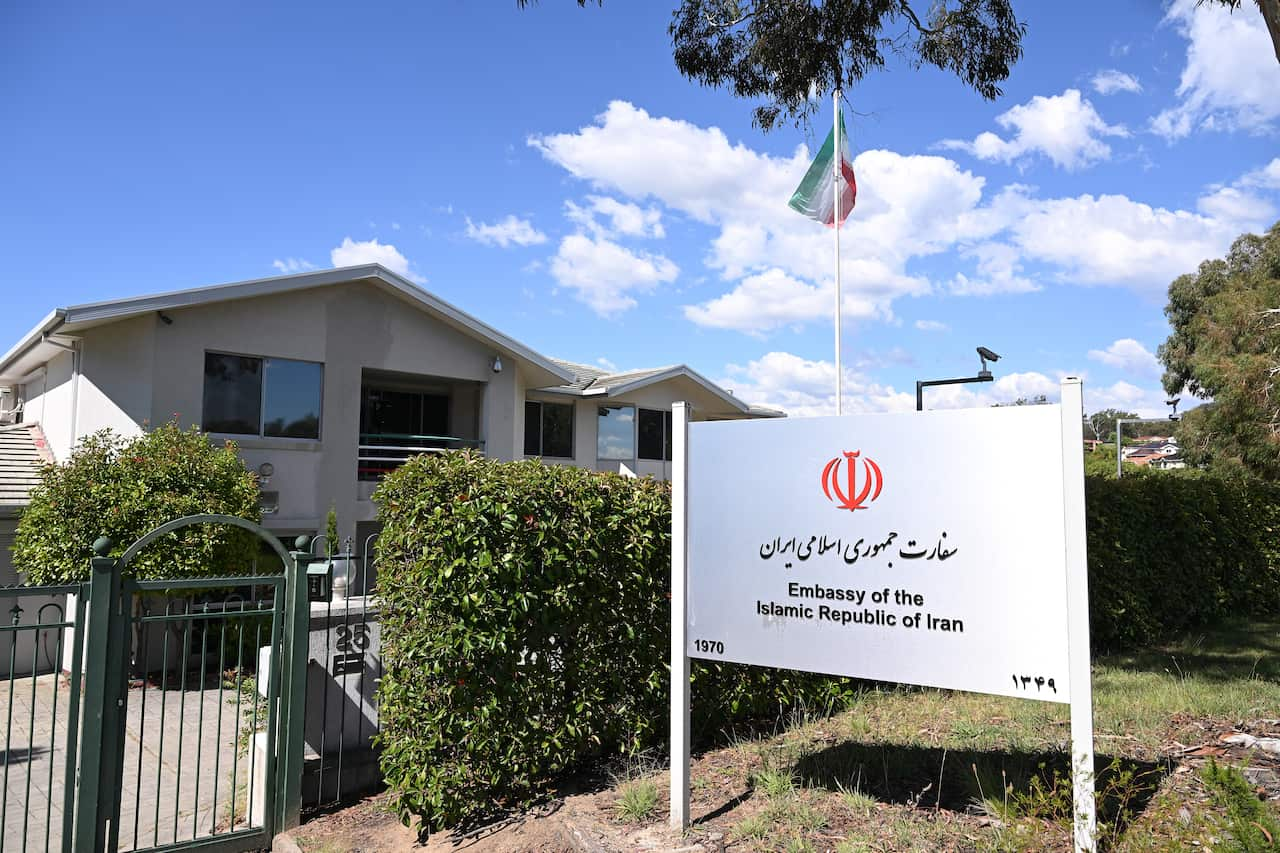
{"points": [[22, 450], [40, 344], [591, 381]]}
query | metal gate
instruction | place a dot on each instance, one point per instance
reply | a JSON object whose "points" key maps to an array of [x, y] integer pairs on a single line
{"points": [[187, 731]]}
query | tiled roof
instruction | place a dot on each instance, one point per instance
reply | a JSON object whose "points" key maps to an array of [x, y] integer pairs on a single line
{"points": [[592, 381], [583, 375], [590, 378], [22, 450]]}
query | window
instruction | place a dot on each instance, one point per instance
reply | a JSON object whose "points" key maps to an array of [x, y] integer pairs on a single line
{"points": [[548, 429], [616, 438], [274, 397], [393, 412], [655, 434]]}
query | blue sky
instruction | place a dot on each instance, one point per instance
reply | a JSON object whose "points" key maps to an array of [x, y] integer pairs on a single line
{"points": [[549, 171]]}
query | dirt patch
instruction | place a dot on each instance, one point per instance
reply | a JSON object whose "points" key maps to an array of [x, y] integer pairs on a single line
{"points": [[817, 789], [566, 826]]}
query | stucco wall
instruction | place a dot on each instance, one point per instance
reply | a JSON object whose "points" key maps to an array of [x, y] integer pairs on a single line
{"points": [[113, 357], [146, 370], [48, 400]]}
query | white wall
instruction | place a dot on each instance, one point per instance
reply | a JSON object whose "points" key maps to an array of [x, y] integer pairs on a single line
{"points": [[49, 402], [112, 360], [349, 328]]}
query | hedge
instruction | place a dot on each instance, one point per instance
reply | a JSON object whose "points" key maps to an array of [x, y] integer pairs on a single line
{"points": [[525, 620], [525, 631], [1170, 551]]}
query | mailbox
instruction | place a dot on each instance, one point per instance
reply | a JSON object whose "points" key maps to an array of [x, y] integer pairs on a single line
{"points": [[320, 580]]}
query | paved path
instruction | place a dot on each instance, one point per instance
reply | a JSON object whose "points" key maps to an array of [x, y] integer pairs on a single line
{"points": [[179, 756]]}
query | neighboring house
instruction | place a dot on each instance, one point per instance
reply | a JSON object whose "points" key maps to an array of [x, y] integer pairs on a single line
{"points": [[1152, 446], [1156, 451], [22, 451], [327, 380]]}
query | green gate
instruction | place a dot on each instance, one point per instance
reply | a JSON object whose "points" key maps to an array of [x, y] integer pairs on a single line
{"points": [[187, 732]]}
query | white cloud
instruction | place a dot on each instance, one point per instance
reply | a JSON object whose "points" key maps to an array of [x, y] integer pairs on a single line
{"points": [[1109, 81], [511, 231], [999, 270], [1128, 355], [776, 264], [908, 206], [603, 274], [804, 388], [1231, 80], [626, 219], [352, 253], [1237, 205], [1065, 128], [772, 299], [292, 265], [1268, 177], [931, 326], [1113, 240]]}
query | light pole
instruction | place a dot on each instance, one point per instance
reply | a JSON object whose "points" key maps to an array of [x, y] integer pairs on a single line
{"points": [[984, 375]]}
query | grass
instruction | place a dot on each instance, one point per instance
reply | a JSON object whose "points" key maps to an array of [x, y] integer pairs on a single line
{"points": [[1252, 826], [637, 800], [922, 769]]}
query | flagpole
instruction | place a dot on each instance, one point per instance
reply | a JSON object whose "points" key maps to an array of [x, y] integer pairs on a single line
{"points": [[835, 184]]}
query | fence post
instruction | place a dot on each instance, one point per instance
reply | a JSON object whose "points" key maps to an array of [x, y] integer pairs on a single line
{"points": [[293, 689], [100, 744]]}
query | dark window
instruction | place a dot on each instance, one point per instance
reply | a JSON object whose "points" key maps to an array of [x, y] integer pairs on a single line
{"points": [[655, 434], [291, 406], [389, 412], [276, 397], [548, 429], [532, 429], [232, 394]]}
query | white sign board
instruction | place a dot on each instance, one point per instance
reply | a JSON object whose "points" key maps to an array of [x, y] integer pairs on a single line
{"points": [[936, 548], [925, 548]]}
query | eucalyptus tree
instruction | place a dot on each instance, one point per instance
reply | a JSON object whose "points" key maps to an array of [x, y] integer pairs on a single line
{"points": [[791, 54]]}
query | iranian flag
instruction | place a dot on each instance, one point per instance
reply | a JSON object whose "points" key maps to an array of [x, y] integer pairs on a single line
{"points": [[815, 197]]}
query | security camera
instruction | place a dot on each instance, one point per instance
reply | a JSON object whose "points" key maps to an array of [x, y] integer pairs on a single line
{"points": [[986, 355]]}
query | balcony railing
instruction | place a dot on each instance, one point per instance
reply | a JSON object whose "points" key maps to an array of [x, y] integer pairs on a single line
{"points": [[382, 453]]}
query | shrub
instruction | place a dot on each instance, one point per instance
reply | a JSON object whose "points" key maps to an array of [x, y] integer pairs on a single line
{"points": [[525, 616], [525, 631], [124, 487], [1169, 551]]}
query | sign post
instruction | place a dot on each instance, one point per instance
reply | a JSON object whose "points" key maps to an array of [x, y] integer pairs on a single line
{"points": [[1085, 829], [906, 548], [679, 620]]}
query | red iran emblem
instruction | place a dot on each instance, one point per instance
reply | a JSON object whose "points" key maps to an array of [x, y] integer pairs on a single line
{"points": [[852, 497]]}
